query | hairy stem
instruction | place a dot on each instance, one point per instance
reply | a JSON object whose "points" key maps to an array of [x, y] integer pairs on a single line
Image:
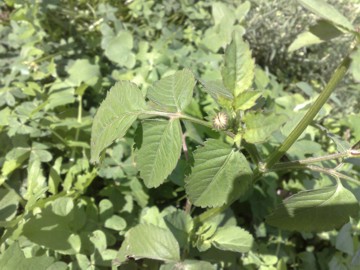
{"points": [[310, 114]]}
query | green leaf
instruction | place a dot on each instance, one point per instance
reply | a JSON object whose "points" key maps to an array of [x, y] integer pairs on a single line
{"points": [[14, 258], [218, 170], [189, 265], [149, 241], [246, 100], [62, 206], [123, 103], [8, 204], [119, 49], [238, 70], [344, 241], [259, 127], [159, 150], [217, 91], [81, 71], [232, 238], [322, 31], [327, 12], [355, 65], [115, 223], [315, 210], [181, 225], [173, 92]]}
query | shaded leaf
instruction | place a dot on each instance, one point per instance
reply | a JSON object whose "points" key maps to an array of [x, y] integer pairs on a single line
{"points": [[123, 103], [159, 151], [173, 92], [315, 210], [318, 33], [14, 258], [259, 127], [217, 170]]}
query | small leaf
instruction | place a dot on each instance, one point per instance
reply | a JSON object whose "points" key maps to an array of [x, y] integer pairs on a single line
{"points": [[116, 223], [62, 206], [355, 64], [123, 103], [259, 127], [238, 71], [315, 210], [119, 49], [344, 241], [246, 100], [232, 238], [159, 151], [318, 33], [173, 92], [83, 72], [149, 241], [181, 225], [218, 170], [327, 12]]}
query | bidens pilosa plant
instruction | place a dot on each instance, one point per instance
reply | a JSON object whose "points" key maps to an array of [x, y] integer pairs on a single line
{"points": [[226, 167]]}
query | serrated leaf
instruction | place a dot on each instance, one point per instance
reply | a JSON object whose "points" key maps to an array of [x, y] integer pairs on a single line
{"points": [[238, 70], [232, 238], [159, 151], [318, 33], [315, 210], [122, 105], [149, 241], [173, 92], [218, 170], [327, 12], [246, 100], [259, 127]]}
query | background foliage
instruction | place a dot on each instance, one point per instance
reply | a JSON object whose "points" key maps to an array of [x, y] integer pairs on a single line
{"points": [[58, 59]]}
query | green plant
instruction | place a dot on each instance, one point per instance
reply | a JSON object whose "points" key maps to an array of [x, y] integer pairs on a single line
{"points": [[220, 173], [58, 210]]}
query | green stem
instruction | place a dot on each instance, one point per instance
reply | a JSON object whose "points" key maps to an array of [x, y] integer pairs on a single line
{"points": [[79, 120], [312, 160], [328, 171], [310, 114]]}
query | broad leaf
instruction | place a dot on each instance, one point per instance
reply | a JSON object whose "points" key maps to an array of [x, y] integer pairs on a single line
{"points": [[149, 241], [14, 258], [238, 71], [259, 127], [123, 103], [318, 33], [173, 92], [315, 210], [327, 12], [217, 91], [232, 238], [218, 170], [159, 150]]}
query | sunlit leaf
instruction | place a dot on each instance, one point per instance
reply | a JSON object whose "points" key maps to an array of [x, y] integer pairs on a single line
{"points": [[232, 238], [217, 171], [159, 150], [123, 103], [149, 241], [173, 92], [238, 70]]}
